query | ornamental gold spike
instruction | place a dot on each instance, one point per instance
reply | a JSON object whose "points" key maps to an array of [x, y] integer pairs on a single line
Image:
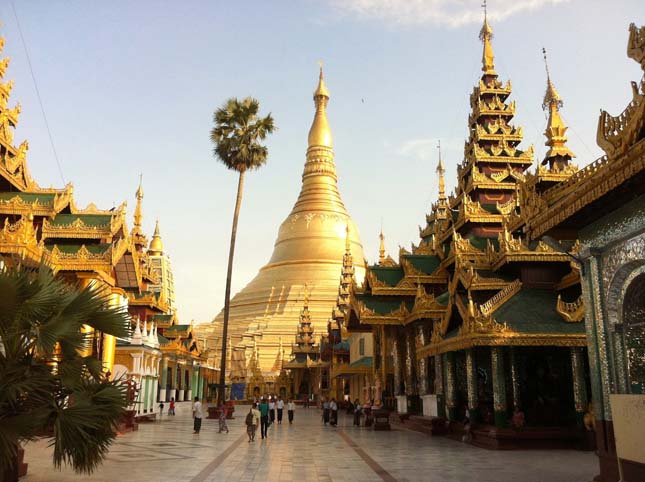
{"points": [[555, 128], [486, 35], [381, 250], [320, 133]]}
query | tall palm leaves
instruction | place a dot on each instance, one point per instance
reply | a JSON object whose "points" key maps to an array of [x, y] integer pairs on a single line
{"points": [[47, 386], [236, 136]]}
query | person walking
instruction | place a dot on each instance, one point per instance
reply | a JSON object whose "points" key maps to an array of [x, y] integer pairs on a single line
{"points": [[291, 407], [357, 413], [171, 408], [280, 406], [264, 417], [160, 410], [223, 412], [197, 416], [305, 401], [272, 409], [325, 406], [333, 407], [252, 422]]}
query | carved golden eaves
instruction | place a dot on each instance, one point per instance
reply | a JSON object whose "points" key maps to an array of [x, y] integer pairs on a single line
{"points": [[571, 312]]}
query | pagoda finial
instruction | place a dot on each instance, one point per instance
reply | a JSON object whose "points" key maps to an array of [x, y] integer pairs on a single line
{"points": [[348, 245], [555, 128], [551, 97], [486, 35], [320, 133], [441, 171], [137, 229]]}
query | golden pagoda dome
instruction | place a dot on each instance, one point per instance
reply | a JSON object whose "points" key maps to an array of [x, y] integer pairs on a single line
{"points": [[307, 257], [156, 245]]}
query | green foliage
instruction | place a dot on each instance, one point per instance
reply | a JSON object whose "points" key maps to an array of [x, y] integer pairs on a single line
{"points": [[47, 387], [237, 134]]}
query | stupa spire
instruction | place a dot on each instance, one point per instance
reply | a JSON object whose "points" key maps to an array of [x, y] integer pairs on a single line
{"points": [[320, 133], [156, 245], [138, 237], [441, 172], [381, 249], [555, 128], [486, 35]]}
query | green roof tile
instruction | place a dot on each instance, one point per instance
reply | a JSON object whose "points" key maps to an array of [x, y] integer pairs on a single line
{"points": [[425, 263], [88, 219], [29, 197], [532, 310], [388, 275], [366, 361]]}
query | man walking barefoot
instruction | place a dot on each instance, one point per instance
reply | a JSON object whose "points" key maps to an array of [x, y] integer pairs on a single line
{"points": [[197, 416], [264, 417], [280, 407], [290, 409]]}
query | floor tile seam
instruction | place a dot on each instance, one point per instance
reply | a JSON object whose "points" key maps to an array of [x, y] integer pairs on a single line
{"points": [[373, 464], [217, 461]]}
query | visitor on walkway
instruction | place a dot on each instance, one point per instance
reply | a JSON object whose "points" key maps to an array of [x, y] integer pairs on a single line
{"points": [[325, 406], [252, 422], [280, 406], [272, 409], [291, 407], [171, 409], [357, 413], [161, 410], [264, 417], [197, 416], [333, 407], [223, 412], [305, 401]]}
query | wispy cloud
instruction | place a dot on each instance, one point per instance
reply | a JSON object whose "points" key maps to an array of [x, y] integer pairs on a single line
{"points": [[452, 13]]}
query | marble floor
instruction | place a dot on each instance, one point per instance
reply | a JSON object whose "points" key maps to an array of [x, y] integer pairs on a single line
{"points": [[167, 451]]}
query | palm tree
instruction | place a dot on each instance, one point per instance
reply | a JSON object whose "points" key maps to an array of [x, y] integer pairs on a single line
{"points": [[48, 388], [237, 134]]}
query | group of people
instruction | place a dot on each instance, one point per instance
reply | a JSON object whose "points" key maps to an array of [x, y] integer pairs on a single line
{"points": [[330, 412], [198, 415], [264, 414]]}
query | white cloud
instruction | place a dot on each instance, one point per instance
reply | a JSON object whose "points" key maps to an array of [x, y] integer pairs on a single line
{"points": [[452, 13]]}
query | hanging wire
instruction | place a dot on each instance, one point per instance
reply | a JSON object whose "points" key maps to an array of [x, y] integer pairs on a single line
{"points": [[40, 101]]}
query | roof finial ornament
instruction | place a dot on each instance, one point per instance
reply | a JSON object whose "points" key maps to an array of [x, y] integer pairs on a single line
{"points": [[320, 133], [348, 245], [485, 35], [551, 96], [381, 250]]}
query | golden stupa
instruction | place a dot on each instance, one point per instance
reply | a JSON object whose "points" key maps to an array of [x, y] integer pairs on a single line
{"points": [[307, 253]]}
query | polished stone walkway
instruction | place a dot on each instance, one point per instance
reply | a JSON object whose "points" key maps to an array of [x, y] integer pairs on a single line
{"points": [[167, 451]]}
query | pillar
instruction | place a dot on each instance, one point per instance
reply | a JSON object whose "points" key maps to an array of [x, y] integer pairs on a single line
{"points": [[499, 386], [451, 399], [396, 365], [471, 382], [579, 386], [188, 394], [515, 379], [410, 382], [144, 380], [200, 385], [173, 381], [422, 375], [164, 379], [439, 389]]}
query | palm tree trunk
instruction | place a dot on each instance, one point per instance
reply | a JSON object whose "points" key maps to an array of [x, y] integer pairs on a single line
{"points": [[221, 392]]}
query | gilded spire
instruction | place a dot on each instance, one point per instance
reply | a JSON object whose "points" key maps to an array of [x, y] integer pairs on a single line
{"points": [[137, 230], [441, 171], [555, 129], [320, 133], [156, 245], [348, 244], [381, 249], [486, 35]]}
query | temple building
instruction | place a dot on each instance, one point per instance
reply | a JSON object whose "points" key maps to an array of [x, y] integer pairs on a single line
{"points": [[476, 320], [603, 207], [308, 251], [93, 247]]}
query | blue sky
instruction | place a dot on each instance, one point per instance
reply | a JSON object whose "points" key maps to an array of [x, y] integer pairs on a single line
{"points": [[130, 87]]}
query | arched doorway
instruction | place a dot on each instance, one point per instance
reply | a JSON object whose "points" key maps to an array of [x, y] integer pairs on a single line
{"points": [[634, 333]]}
